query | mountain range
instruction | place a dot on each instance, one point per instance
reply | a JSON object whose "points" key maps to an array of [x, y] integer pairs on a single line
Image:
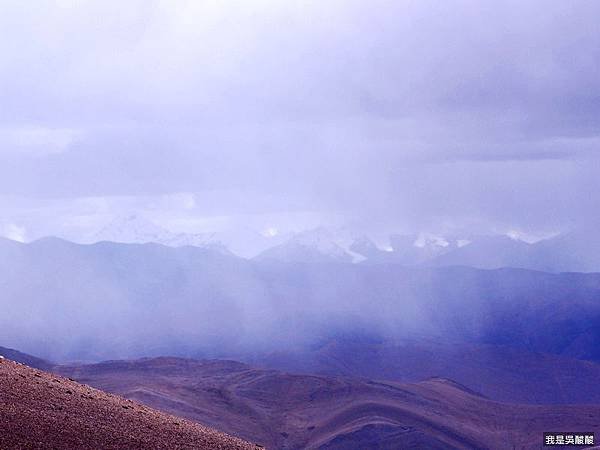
{"points": [[137, 229], [149, 299], [576, 251], [324, 353]]}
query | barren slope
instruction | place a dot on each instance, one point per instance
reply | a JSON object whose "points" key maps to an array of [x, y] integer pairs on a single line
{"points": [[40, 410], [285, 411]]}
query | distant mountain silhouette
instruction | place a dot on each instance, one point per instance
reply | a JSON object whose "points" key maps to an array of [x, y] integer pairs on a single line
{"points": [[499, 372], [111, 300], [574, 251], [489, 252], [136, 229], [312, 246], [24, 358]]}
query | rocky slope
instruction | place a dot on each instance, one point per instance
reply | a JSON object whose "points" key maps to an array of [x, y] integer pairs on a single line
{"points": [[39, 410]]}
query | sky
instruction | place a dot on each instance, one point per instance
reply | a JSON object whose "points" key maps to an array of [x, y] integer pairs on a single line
{"points": [[408, 116]]}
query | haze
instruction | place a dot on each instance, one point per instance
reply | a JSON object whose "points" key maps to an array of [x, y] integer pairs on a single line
{"points": [[402, 116]]}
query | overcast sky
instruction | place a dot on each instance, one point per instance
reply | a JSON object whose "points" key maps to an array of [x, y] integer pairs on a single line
{"points": [[397, 115]]}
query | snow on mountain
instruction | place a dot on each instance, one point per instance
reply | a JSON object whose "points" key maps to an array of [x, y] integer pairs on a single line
{"points": [[135, 229], [332, 245], [418, 248], [323, 245], [132, 229], [364, 247]]}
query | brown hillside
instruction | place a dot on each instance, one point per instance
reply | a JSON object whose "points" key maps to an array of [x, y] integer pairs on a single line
{"points": [[39, 410], [286, 411]]}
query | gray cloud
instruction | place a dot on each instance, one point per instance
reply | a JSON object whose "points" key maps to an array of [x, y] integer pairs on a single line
{"points": [[396, 114]]}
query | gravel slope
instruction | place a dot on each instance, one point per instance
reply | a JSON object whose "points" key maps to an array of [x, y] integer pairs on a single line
{"points": [[39, 410]]}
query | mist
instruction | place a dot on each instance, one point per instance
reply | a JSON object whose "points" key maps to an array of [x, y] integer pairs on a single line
{"points": [[299, 223], [387, 117], [257, 121], [110, 300]]}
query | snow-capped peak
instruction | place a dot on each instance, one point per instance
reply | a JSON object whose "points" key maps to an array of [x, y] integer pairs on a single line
{"points": [[135, 229], [323, 244], [132, 229]]}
